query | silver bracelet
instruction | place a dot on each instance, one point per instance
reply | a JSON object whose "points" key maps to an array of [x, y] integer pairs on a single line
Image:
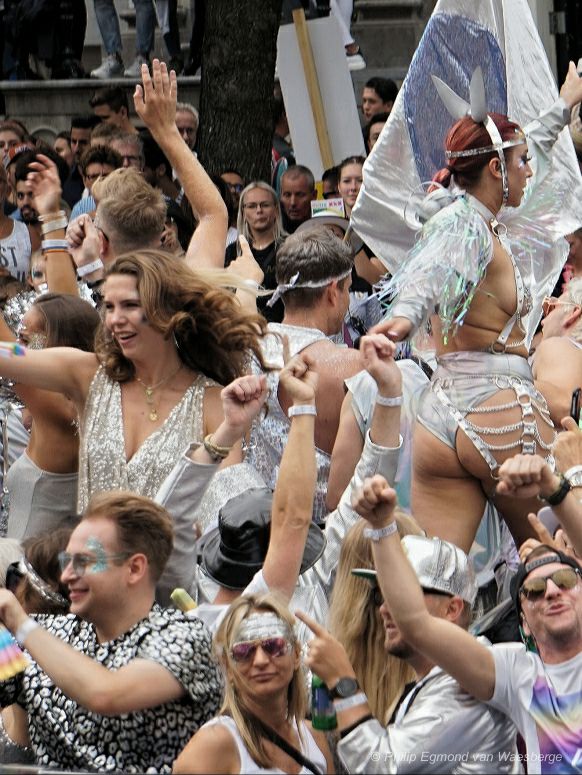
{"points": [[383, 532], [350, 702], [574, 476], [88, 268], [293, 411], [22, 633], [388, 401]]}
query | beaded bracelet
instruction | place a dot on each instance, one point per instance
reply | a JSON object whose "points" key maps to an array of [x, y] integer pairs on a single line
{"points": [[216, 453]]}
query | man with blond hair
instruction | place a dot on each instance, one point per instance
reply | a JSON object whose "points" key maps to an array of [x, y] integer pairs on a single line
{"points": [[119, 684]]}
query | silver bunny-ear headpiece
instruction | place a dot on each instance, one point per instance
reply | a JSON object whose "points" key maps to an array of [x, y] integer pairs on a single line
{"points": [[477, 110]]}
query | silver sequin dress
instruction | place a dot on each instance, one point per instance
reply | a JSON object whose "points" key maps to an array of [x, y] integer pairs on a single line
{"points": [[102, 463]]}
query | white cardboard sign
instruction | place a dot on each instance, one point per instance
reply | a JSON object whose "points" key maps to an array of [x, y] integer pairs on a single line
{"points": [[337, 94]]}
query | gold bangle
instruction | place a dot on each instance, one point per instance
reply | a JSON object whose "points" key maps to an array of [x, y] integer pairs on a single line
{"points": [[216, 453]]}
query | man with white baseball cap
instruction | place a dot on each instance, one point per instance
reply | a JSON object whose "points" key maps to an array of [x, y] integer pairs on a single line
{"points": [[436, 726]]}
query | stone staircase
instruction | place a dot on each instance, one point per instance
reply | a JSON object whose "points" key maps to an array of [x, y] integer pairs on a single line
{"points": [[387, 30]]}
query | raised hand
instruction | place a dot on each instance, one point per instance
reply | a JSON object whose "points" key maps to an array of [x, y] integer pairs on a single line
{"points": [[525, 476], [568, 446], [155, 101], [378, 359], [375, 501], [84, 241], [46, 185], [395, 329], [571, 91], [242, 401], [326, 657], [298, 378], [246, 265]]}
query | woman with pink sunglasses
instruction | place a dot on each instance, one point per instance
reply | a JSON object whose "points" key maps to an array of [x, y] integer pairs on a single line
{"points": [[261, 726]]}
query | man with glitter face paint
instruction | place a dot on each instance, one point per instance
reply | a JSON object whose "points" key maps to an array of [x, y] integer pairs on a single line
{"points": [[119, 684], [538, 684], [478, 273]]}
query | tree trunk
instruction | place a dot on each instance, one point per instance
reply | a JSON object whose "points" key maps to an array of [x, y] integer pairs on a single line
{"points": [[236, 101]]}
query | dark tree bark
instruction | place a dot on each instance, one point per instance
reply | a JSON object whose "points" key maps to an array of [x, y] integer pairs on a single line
{"points": [[236, 101]]}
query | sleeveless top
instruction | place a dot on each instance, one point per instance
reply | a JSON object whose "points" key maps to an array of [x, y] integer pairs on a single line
{"points": [[38, 499], [102, 462], [15, 251], [309, 748], [269, 434]]}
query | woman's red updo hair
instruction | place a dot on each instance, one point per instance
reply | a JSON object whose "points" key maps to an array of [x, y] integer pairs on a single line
{"points": [[465, 135]]}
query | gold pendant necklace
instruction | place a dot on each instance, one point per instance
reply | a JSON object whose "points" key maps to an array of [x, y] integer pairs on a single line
{"points": [[149, 393]]}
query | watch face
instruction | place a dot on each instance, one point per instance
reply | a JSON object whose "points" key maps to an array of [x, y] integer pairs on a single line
{"points": [[346, 687]]}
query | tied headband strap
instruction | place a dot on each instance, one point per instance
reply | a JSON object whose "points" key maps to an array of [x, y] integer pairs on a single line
{"points": [[294, 283]]}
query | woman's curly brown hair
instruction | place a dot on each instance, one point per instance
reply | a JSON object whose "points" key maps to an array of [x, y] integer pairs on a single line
{"points": [[212, 333]]}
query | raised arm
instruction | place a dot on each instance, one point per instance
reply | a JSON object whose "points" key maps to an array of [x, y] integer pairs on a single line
{"points": [[184, 488], [46, 187], [155, 104], [60, 369], [441, 641], [293, 497], [525, 476]]}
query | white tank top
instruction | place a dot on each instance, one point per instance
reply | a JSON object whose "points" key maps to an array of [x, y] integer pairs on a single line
{"points": [[15, 250], [309, 749]]}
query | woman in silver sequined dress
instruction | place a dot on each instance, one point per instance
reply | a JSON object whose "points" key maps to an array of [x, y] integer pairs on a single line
{"points": [[168, 340], [42, 482]]}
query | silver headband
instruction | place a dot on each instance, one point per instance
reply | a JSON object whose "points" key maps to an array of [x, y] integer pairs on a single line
{"points": [[259, 626], [293, 283]]}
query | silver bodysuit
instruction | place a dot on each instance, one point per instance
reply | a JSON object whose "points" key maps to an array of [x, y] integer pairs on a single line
{"points": [[102, 463], [269, 435]]}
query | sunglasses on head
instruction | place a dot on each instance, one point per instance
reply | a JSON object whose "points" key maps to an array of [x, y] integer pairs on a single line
{"points": [[535, 589], [272, 647]]}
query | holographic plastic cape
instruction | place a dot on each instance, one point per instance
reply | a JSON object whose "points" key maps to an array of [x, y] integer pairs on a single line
{"points": [[500, 36]]}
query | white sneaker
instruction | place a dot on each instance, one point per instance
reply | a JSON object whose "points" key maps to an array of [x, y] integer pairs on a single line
{"points": [[134, 70], [356, 61], [110, 67]]}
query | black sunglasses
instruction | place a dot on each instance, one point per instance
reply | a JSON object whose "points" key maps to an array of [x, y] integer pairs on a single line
{"points": [[535, 589]]}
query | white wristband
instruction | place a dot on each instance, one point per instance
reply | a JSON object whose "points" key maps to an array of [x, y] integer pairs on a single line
{"points": [[387, 401], [293, 411], [350, 702], [571, 471], [383, 532], [22, 633], [82, 271]]}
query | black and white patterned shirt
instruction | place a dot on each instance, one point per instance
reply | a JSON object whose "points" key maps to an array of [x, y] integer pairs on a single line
{"points": [[66, 735]]}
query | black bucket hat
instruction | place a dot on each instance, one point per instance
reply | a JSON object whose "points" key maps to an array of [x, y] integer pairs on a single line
{"points": [[524, 569], [235, 550]]}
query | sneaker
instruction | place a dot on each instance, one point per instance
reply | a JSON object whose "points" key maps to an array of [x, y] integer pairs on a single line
{"points": [[111, 67], [134, 70], [356, 61]]}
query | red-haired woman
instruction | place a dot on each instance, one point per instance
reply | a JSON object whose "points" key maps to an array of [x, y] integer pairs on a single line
{"points": [[480, 282]]}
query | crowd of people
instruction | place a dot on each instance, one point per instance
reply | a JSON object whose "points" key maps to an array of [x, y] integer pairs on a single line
{"points": [[244, 531]]}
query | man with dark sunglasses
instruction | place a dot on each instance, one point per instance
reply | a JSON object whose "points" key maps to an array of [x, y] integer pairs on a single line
{"points": [[537, 684]]}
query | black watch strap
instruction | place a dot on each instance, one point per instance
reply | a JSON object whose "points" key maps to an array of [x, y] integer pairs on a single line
{"points": [[558, 496]]}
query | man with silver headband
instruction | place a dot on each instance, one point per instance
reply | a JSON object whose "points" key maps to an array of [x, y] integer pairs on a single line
{"points": [[478, 272]]}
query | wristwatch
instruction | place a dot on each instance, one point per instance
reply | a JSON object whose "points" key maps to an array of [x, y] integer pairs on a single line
{"points": [[574, 476], [345, 687]]}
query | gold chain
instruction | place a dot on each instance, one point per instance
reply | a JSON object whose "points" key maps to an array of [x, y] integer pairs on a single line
{"points": [[149, 393]]}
